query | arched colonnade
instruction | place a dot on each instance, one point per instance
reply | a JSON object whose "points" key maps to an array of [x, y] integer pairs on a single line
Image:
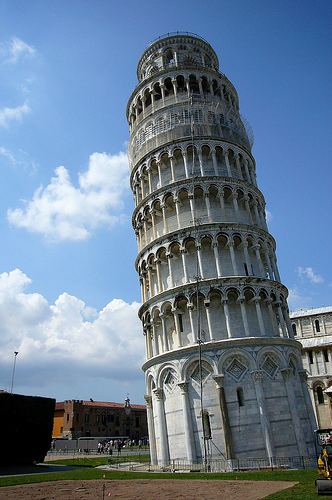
{"points": [[155, 95], [225, 313], [185, 162], [211, 256], [178, 208]]}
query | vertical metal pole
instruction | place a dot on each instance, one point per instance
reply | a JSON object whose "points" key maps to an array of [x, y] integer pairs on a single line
{"points": [[198, 277], [13, 372]]}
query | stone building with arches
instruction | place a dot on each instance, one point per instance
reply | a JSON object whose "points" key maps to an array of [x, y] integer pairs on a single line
{"points": [[208, 270], [313, 328]]}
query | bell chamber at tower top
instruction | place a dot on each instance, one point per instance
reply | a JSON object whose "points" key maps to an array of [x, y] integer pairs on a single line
{"points": [[180, 93]]}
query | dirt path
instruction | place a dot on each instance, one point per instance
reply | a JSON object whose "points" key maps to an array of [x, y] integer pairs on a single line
{"points": [[145, 489]]}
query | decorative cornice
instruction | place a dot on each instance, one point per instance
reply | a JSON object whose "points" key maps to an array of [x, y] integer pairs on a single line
{"points": [[219, 345]]}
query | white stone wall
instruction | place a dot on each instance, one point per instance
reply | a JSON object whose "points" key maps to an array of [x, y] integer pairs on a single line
{"points": [[313, 328], [248, 434]]}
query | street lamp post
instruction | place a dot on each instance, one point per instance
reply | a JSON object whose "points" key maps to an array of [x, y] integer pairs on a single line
{"points": [[13, 372]]}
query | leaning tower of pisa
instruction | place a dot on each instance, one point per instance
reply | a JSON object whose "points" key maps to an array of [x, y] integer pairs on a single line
{"points": [[223, 372]]}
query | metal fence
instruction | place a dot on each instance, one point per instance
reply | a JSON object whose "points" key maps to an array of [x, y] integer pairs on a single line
{"points": [[224, 465]]}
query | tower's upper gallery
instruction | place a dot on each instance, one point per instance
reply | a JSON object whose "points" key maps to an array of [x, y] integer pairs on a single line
{"points": [[176, 49]]}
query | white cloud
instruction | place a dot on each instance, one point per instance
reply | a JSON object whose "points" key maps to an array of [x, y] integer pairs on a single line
{"points": [[308, 273], [15, 49], [8, 155], [61, 211], [298, 301], [66, 340], [268, 215], [8, 115]]}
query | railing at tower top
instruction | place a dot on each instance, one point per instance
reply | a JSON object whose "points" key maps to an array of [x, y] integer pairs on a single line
{"points": [[181, 97], [178, 33]]}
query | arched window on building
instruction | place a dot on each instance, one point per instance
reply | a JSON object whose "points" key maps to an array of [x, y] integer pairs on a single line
{"points": [[320, 395], [294, 329], [317, 326], [240, 396]]}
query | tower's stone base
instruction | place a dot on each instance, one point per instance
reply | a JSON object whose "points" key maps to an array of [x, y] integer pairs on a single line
{"points": [[255, 402]]}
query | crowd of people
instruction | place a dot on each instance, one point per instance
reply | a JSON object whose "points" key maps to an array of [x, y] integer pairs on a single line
{"points": [[108, 446]]}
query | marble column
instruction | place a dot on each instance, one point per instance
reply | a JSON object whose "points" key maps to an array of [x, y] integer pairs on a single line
{"points": [[257, 301], [184, 264], [229, 171], [246, 168], [153, 222], [177, 211], [272, 318], [269, 266], [171, 159], [164, 329], [160, 283], [159, 174], [222, 205], [257, 377], [246, 204], [185, 163], [233, 259], [201, 166], [155, 339], [228, 442], [259, 260], [281, 319], [208, 319], [208, 206], [163, 208], [177, 326], [187, 422], [242, 302], [149, 178], [238, 166], [224, 304], [214, 161], [162, 427], [310, 405], [170, 271], [297, 426], [246, 257], [152, 434], [200, 267], [287, 321], [216, 258], [190, 308], [235, 202]]}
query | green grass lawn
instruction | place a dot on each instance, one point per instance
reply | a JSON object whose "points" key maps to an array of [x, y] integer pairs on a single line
{"points": [[305, 490], [95, 461]]}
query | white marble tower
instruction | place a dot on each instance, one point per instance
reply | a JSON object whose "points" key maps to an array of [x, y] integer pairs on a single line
{"points": [[200, 223]]}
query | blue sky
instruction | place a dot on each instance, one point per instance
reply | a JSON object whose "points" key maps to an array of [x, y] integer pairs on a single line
{"points": [[68, 289]]}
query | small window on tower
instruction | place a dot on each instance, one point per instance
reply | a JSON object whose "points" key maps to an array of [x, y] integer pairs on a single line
{"points": [[240, 396], [294, 329], [326, 355], [180, 322], [320, 395], [311, 358], [317, 326]]}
